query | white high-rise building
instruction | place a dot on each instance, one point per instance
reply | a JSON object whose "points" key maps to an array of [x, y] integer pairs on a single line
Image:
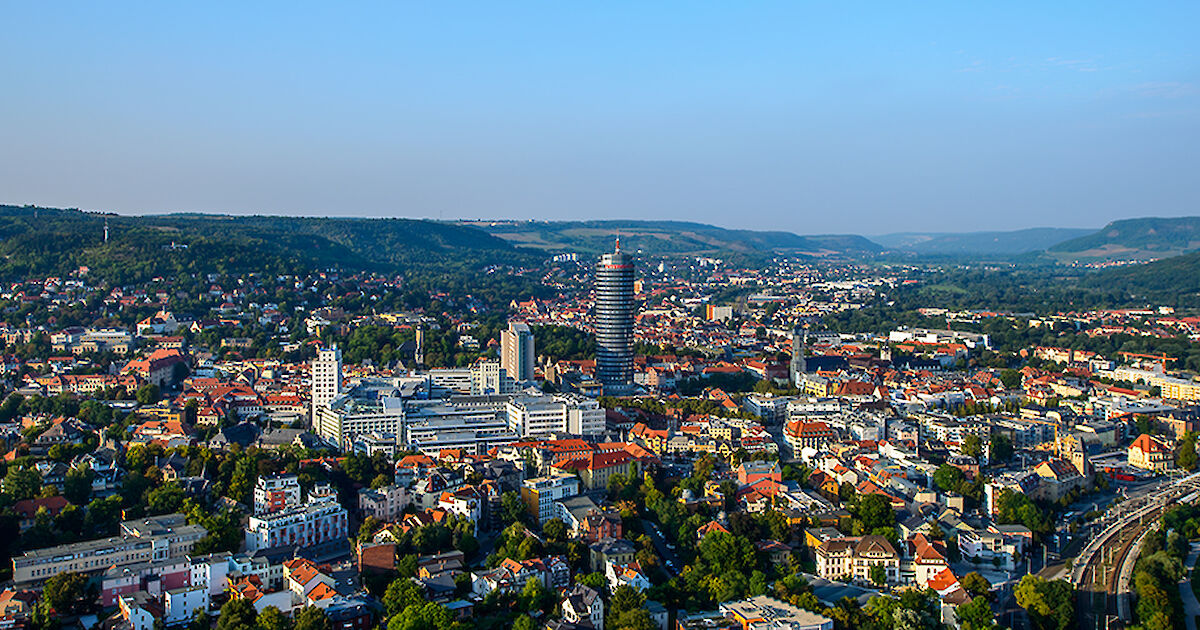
{"points": [[326, 377], [516, 351]]}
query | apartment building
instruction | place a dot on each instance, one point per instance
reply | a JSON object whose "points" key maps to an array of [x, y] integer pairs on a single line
{"points": [[276, 492], [141, 541], [319, 520], [386, 504], [855, 557], [516, 351], [540, 493]]}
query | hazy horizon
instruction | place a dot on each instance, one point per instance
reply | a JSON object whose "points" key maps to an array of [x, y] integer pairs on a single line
{"points": [[811, 119]]}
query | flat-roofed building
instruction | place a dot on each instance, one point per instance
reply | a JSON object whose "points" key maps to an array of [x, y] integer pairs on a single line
{"points": [[144, 540], [767, 613]]}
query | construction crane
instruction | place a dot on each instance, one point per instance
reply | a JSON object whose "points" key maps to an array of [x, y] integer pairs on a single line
{"points": [[1162, 359]]}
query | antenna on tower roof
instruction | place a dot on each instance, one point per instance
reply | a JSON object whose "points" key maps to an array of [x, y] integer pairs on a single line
{"points": [[618, 241]]}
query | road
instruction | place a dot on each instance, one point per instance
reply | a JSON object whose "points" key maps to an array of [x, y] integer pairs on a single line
{"points": [[1191, 607], [670, 560]]}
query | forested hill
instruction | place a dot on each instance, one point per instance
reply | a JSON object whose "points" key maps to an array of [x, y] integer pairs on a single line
{"points": [[1132, 238], [972, 243], [668, 237], [1173, 281], [47, 241]]}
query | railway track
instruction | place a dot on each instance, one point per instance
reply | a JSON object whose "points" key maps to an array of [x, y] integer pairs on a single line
{"points": [[1103, 600]]}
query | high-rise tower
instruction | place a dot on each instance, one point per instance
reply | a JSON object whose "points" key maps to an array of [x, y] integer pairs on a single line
{"points": [[614, 321], [326, 376], [797, 366], [516, 351]]}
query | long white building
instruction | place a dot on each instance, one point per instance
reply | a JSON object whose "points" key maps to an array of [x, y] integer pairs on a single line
{"points": [[371, 406], [533, 416], [474, 424]]}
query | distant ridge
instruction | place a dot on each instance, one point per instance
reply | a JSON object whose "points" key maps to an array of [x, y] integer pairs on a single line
{"points": [[669, 237], [40, 241], [1150, 237], [967, 243]]}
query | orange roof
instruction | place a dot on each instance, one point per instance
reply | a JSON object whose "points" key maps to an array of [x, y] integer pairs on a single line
{"points": [[321, 591], [944, 580], [1147, 444]]}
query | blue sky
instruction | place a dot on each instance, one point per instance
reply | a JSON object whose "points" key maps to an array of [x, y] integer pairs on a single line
{"points": [[810, 117]]}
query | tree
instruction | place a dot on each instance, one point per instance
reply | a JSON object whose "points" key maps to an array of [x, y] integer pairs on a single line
{"points": [[401, 594], [725, 552], [875, 511], [201, 620], [524, 622], [1186, 457], [147, 394], [311, 618], [237, 614], [625, 598], [972, 446], [66, 592], [22, 483], [948, 478], [368, 528], [165, 498], [271, 619], [878, 574], [976, 614], [534, 596], [1002, 448], [511, 508], [467, 544], [428, 616], [77, 484], [976, 584], [595, 581], [639, 619], [555, 530], [1050, 603]]}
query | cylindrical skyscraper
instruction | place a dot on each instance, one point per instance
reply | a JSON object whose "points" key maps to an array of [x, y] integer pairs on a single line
{"points": [[614, 321]]}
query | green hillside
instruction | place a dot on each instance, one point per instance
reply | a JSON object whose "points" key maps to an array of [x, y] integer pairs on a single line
{"points": [[967, 243], [1136, 238], [42, 241], [668, 237], [1171, 281]]}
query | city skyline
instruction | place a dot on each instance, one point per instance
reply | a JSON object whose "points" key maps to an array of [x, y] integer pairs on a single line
{"points": [[783, 116]]}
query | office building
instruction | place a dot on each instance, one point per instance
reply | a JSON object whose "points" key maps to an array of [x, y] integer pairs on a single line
{"points": [[475, 424], [372, 406], [482, 378], [614, 321], [535, 416], [516, 351]]}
